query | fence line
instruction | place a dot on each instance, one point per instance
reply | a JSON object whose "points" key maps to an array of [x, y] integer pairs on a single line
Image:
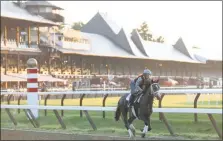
{"points": [[174, 91], [82, 94], [97, 108], [35, 123]]}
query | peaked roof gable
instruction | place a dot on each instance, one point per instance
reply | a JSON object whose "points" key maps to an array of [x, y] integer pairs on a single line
{"points": [[180, 46], [102, 25], [137, 40]]}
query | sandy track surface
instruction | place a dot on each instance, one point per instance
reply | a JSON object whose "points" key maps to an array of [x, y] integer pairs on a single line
{"points": [[10, 134]]}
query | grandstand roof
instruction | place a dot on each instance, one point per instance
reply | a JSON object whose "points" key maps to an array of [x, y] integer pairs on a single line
{"points": [[12, 11], [42, 3], [204, 55], [160, 51], [100, 46], [197, 54], [115, 28], [133, 44]]}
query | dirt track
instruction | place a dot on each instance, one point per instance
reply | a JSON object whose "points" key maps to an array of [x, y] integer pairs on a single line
{"points": [[10, 134]]}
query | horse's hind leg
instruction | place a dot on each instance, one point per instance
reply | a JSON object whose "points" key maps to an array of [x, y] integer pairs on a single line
{"points": [[124, 117], [130, 120]]}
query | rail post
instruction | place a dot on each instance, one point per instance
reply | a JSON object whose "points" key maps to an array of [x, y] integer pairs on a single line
{"points": [[62, 103], [32, 85], [9, 99], [19, 102], [195, 106], [45, 103], [81, 103], [215, 125], [103, 103], [2, 98], [160, 105]]}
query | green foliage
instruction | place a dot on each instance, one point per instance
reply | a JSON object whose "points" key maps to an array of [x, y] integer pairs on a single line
{"points": [[77, 25], [147, 35]]}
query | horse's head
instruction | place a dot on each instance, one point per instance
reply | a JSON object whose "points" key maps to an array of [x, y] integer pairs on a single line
{"points": [[154, 88]]}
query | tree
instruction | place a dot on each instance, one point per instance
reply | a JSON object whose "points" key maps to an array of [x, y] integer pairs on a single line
{"points": [[160, 39], [77, 25], [145, 32]]}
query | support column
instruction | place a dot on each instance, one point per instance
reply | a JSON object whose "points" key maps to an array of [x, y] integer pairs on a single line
{"points": [[61, 63], [17, 36], [115, 68], [107, 69], [18, 62], [123, 69], [38, 36], [48, 64], [39, 67], [99, 67], [160, 68], [5, 35], [71, 64], [130, 71], [81, 66], [29, 39], [6, 63]]}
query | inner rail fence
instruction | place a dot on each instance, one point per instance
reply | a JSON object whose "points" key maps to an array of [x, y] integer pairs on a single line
{"points": [[85, 109], [105, 95]]}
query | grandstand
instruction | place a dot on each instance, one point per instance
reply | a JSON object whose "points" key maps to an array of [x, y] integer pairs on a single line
{"points": [[101, 48]]}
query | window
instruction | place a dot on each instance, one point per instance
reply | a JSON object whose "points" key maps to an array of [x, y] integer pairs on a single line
{"points": [[42, 9], [45, 9], [48, 9]]}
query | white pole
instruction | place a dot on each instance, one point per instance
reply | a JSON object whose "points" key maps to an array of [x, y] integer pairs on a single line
{"points": [[32, 85]]}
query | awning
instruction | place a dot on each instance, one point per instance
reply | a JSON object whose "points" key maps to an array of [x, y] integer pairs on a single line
{"points": [[8, 78], [41, 77]]}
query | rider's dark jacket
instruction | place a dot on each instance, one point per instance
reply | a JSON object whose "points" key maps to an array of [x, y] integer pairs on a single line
{"points": [[140, 84]]}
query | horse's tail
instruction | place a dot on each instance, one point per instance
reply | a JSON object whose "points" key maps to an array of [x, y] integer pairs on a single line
{"points": [[117, 112]]}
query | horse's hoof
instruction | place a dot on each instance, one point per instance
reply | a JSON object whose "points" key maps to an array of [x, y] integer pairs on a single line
{"points": [[149, 129], [143, 135], [131, 134], [134, 133]]}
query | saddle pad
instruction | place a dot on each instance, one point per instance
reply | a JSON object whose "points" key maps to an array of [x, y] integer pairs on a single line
{"points": [[127, 98]]}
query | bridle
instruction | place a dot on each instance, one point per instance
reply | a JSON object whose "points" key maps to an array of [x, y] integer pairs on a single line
{"points": [[156, 91]]}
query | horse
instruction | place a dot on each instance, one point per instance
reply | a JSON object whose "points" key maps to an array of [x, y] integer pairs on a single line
{"points": [[139, 109]]}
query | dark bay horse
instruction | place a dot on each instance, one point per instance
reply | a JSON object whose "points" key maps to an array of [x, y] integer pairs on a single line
{"points": [[141, 110]]}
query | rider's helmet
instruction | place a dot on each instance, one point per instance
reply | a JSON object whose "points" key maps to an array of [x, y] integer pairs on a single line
{"points": [[147, 73]]}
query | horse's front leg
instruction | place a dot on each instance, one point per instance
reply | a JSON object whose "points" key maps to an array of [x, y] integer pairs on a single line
{"points": [[145, 129], [149, 124]]}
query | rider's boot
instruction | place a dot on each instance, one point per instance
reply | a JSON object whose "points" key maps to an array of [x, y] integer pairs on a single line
{"points": [[131, 101]]}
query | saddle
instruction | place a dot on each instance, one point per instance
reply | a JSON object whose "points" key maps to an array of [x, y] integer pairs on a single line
{"points": [[135, 108], [136, 98]]}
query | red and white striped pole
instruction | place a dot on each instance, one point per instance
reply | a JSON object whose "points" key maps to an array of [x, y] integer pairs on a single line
{"points": [[32, 85]]}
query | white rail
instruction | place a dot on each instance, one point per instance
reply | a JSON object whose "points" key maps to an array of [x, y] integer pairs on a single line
{"points": [[181, 91], [88, 108]]}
